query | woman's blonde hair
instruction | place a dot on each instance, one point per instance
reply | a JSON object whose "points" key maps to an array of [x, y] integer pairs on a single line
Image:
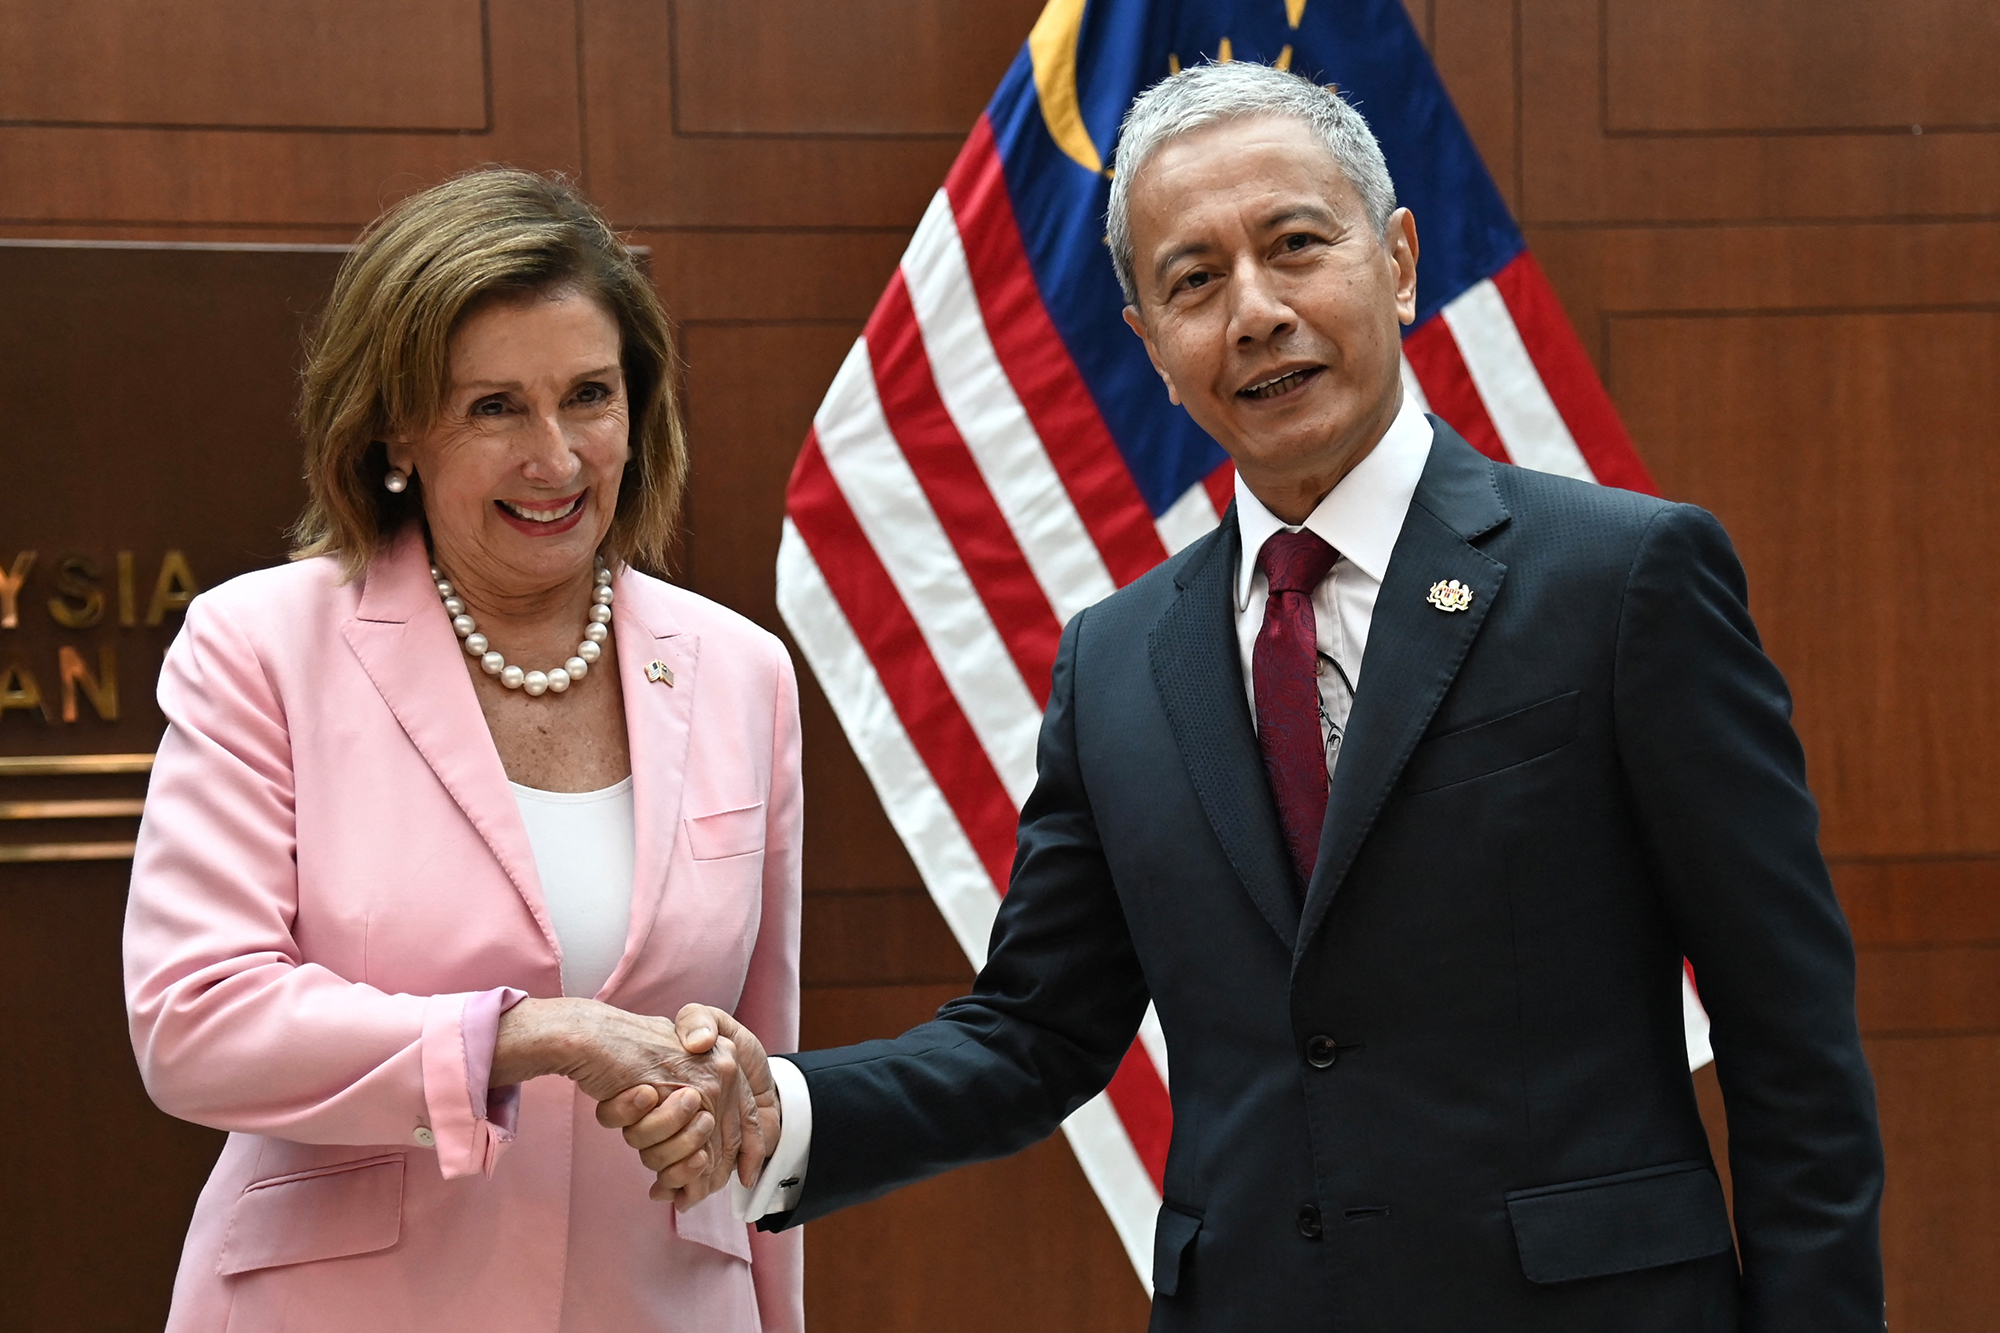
{"points": [[379, 361]]}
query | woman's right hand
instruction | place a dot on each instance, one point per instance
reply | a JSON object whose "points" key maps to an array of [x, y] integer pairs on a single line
{"points": [[672, 1132], [692, 1065]]}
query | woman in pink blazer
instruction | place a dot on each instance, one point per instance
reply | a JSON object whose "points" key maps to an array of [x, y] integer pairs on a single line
{"points": [[459, 800]]}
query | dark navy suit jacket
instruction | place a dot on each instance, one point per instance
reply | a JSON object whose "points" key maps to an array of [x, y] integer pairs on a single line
{"points": [[1451, 1093]]}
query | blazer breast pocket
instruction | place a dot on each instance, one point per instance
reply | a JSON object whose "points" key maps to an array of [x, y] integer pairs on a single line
{"points": [[330, 1212], [726, 833], [1486, 747]]}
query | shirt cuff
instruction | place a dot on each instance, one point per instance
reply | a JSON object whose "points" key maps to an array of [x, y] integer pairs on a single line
{"points": [[499, 1107], [777, 1190]]}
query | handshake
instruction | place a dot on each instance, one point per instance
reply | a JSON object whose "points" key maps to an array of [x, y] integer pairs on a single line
{"points": [[694, 1096]]}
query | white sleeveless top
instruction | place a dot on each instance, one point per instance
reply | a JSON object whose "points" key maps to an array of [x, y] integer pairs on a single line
{"points": [[583, 852]]}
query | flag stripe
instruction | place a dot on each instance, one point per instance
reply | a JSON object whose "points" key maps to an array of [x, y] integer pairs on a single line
{"points": [[1154, 1038], [897, 522], [1140, 1095], [1572, 381], [1413, 387], [1188, 519], [1530, 427], [818, 613], [938, 729], [1057, 400], [1125, 1168], [995, 427], [1221, 484], [959, 882], [967, 510], [1119, 1179], [1440, 369]]}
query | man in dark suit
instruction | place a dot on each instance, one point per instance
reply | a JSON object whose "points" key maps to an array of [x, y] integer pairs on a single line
{"points": [[1416, 950]]}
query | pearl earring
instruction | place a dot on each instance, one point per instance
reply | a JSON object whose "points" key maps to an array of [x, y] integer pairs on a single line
{"points": [[396, 481]]}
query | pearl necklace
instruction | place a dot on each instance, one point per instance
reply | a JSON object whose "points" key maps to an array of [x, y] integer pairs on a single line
{"points": [[556, 679]]}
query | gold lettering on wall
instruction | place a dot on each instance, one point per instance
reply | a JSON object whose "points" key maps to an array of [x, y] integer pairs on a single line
{"points": [[78, 588], [101, 689], [10, 590], [18, 690], [128, 600], [173, 590], [79, 602]]}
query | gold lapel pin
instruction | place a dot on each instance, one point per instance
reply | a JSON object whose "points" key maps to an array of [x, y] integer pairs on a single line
{"points": [[660, 673], [1450, 595]]}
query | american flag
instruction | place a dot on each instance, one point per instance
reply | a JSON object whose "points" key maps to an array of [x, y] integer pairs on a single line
{"points": [[995, 454]]}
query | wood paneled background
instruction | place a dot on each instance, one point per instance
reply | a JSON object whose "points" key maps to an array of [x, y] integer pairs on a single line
{"points": [[1776, 227]]}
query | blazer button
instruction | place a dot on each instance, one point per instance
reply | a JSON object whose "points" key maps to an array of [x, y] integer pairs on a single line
{"points": [[424, 1137], [1319, 1051], [1309, 1223]]}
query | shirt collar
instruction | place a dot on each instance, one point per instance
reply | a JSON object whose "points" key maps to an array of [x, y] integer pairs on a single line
{"points": [[1362, 516]]}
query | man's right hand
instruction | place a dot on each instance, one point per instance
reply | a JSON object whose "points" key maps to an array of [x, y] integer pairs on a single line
{"points": [[672, 1132], [691, 1064]]}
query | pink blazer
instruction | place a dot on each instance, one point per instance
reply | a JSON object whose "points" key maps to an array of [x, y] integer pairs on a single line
{"points": [[332, 867]]}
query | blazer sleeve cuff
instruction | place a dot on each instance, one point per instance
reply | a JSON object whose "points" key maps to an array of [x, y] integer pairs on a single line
{"points": [[467, 1122]]}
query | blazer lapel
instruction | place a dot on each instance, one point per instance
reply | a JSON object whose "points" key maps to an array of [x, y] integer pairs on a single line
{"points": [[1199, 676], [404, 641], [1414, 650], [659, 723]]}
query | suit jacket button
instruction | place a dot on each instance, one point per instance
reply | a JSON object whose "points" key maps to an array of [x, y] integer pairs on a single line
{"points": [[1319, 1051], [424, 1137], [1309, 1223]]}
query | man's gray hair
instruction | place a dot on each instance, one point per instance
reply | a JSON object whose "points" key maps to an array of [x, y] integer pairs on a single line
{"points": [[1204, 95]]}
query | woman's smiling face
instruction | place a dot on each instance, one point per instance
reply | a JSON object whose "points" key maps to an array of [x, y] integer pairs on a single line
{"points": [[520, 471]]}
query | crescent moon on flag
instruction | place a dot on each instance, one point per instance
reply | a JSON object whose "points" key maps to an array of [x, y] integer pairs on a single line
{"points": [[1052, 50]]}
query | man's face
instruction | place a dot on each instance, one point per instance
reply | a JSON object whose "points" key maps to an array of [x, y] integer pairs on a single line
{"points": [[1268, 303]]}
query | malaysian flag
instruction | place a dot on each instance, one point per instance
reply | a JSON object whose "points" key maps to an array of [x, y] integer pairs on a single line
{"points": [[996, 453]]}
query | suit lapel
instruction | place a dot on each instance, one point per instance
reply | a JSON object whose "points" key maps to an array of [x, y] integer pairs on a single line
{"points": [[404, 641], [1414, 650], [1199, 675], [659, 718]]}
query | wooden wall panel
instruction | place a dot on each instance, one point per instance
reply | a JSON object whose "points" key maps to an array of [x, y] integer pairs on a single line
{"points": [[730, 276], [1941, 1209], [752, 391], [74, 179], [1917, 903], [802, 67], [308, 64], [1577, 169], [1721, 66], [98, 1185], [1849, 455], [650, 176], [1475, 44], [1689, 269]]}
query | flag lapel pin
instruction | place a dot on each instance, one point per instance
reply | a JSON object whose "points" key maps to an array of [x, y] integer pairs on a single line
{"points": [[660, 673], [1450, 595]]}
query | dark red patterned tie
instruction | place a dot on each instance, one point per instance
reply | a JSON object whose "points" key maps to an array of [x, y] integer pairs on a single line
{"points": [[1284, 680]]}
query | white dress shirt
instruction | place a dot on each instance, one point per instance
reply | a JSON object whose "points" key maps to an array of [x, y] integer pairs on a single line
{"points": [[1361, 519]]}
